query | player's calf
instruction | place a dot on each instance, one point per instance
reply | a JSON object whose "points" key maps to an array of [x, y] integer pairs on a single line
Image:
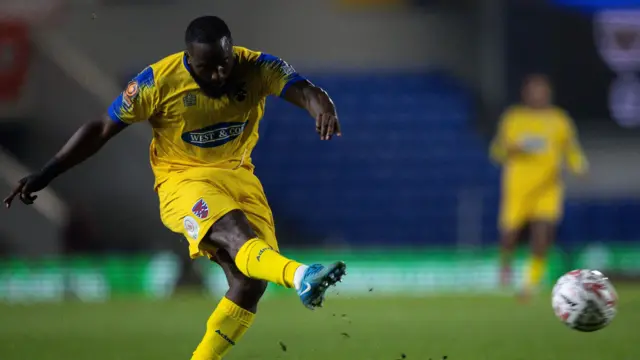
{"points": [[234, 314], [541, 240], [225, 327], [508, 242]]}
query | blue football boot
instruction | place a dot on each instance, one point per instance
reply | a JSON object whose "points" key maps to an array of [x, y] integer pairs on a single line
{"points": [[316, 280]]}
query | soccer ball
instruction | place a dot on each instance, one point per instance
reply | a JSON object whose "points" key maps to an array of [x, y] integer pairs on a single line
{"points": [[584, 300]]}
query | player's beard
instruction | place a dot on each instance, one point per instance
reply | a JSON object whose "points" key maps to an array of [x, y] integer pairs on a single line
{"points": [[212, 91]]}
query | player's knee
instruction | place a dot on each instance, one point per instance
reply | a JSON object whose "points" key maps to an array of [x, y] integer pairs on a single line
{"points": [[231, 231], [248, 291], [253, 287], [508, 239]]}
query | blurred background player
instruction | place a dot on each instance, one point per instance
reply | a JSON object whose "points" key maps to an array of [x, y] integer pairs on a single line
{"points": [[534, 141]]}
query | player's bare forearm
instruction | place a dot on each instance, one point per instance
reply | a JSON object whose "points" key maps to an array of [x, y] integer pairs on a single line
{"points": [[319, 105], [86, 141], [311, 98], [502, 153]]}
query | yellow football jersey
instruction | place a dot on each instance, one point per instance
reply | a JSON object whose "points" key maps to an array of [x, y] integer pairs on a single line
{"points": [[191, 129], [549, 141]]}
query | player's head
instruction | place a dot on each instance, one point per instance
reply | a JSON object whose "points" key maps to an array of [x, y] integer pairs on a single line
{"points": [[209, 51], [536, 91]]}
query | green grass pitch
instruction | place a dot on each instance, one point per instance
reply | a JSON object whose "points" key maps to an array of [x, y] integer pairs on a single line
{"points": [[377, 328]]}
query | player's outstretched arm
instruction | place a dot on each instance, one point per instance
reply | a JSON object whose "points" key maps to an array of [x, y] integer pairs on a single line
{"points": [[319, 105], [87, 140], [575, 155]]}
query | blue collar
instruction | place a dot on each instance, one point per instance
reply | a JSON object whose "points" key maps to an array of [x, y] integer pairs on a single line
{"points": [[186, 63]]}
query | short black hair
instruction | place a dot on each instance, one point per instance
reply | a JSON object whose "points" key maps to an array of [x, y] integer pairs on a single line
{"points": [[206, 30], [536, 76]]}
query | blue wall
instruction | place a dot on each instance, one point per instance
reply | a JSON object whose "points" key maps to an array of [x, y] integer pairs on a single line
{"points": [[394, 176], [408, 149]]}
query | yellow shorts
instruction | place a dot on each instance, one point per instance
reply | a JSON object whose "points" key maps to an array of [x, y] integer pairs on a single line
{"points": [[192, 201], [518, 208]]}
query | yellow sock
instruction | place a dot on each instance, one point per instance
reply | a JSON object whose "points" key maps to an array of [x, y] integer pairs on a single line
{"points": [[225, 327], [537, 267], [258, 260]]}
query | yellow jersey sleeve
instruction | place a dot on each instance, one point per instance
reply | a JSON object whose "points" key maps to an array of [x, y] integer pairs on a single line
{"points": [[504, 137], [575, 157], [138, 102], [276, 74]]}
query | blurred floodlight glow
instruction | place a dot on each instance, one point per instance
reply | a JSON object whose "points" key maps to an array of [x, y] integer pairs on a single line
{"points": [[617, 38]]}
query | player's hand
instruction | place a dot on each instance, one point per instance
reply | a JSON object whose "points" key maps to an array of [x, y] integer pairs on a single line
{"points": [[327, 125], [26, 187]]}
